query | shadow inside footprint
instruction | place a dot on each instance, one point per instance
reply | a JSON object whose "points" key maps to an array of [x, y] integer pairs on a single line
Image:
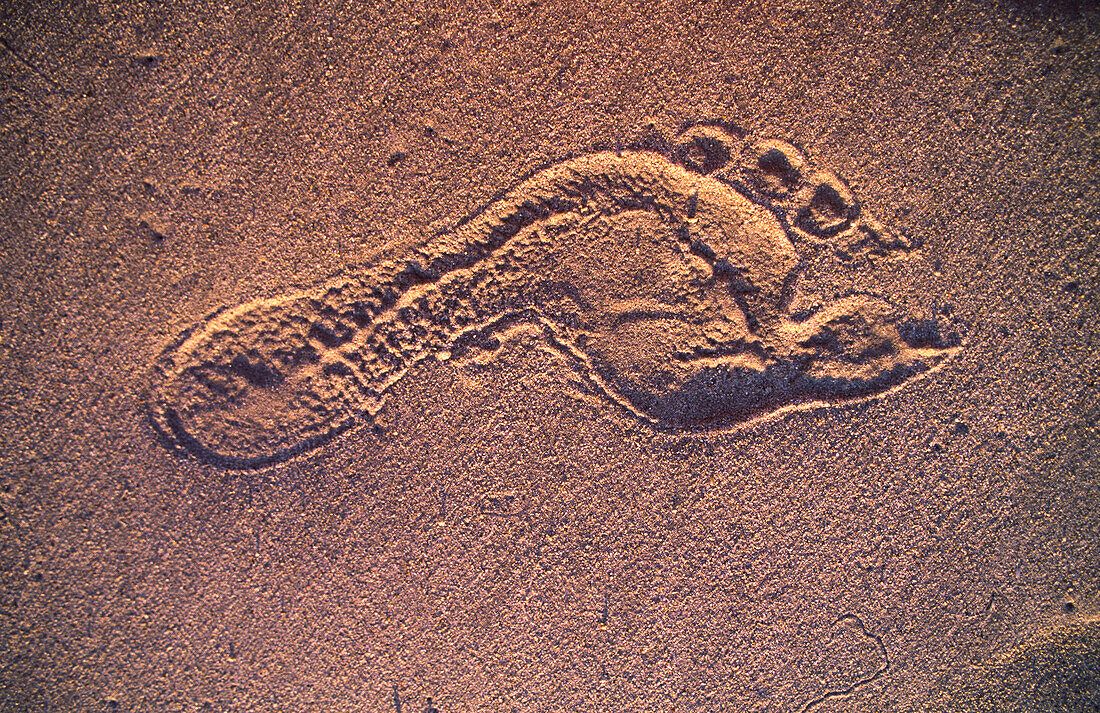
{"points": [[665, 279]]}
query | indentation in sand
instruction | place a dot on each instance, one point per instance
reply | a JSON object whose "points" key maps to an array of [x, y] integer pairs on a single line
{"points": [[666, 277]]}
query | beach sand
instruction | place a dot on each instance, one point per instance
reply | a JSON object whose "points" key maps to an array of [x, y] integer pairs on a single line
{"points": [[532, 356]]}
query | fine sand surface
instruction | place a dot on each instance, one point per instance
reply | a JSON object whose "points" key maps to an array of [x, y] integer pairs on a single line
{"points": [[530, 356]]}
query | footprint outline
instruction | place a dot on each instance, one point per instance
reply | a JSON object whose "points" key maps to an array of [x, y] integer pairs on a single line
{"points": [[330, 331]]}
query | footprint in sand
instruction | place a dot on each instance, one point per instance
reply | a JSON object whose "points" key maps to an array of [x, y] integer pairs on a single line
{"points": [[666, 277]]}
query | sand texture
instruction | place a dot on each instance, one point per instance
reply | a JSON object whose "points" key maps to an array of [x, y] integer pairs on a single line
{"points": [[528, 356]]}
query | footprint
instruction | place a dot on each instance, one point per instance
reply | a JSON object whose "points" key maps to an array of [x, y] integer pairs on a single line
{"points": [[665, 277]]}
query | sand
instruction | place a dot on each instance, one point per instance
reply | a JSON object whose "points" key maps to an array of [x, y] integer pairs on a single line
{"points": [[537, 357]]}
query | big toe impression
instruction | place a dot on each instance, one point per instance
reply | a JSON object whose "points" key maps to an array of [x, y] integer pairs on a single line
{"points": [[253, 385], [861, 345]]}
